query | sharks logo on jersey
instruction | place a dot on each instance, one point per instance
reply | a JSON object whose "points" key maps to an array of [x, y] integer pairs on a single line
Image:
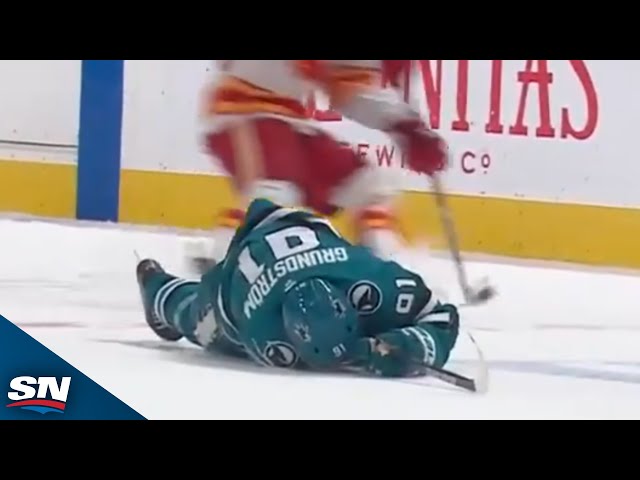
{"points": [[366, 297]]}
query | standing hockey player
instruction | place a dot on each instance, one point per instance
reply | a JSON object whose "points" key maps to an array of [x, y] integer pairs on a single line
{"points": [[257, 126], [292, 293]]}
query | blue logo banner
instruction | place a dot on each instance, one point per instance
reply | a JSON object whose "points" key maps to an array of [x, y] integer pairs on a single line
{"points": [[36, 384]]}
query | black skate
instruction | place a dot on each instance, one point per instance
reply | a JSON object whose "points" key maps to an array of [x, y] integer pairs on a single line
{"points": [[144, 270]]}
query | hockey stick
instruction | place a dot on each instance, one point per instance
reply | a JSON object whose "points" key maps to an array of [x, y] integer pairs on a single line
{"points": [[478, 385], [453, 378], [472, 295]]}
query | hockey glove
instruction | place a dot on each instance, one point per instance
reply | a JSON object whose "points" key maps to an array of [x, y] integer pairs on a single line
{"points": [[427, 152], [406, 351]]}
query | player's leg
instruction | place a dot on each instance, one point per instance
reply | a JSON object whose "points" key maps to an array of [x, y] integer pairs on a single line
{"points": [[167, 301], [230, 146], [337, 178], [301, 166], [264, 159]]}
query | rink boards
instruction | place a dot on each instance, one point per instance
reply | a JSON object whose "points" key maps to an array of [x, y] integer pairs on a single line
{"points": [[542, 161]]}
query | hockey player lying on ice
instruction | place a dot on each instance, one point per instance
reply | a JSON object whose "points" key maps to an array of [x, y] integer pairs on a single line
{"points": [[257, 127], [292, 293]]}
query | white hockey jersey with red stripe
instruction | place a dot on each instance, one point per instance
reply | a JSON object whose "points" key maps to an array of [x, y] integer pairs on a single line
{"points": [[281, 87]]}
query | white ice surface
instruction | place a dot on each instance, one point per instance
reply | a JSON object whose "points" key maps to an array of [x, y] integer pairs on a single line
{"points": [[560, 343]]}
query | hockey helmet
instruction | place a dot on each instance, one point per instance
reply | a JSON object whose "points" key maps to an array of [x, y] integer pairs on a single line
{"points": [[320, 322]]}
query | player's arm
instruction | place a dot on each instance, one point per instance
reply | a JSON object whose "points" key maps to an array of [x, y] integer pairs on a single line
{"points": [[355, 89], [405, 351]]}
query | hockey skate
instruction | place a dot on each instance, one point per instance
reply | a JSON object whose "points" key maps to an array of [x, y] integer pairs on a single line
{"points": [[145, 271]]}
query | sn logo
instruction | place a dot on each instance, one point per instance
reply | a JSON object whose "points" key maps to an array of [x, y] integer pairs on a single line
{"points": [[26, 397]]}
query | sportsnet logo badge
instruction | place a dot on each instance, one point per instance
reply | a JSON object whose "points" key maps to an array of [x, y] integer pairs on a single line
{"points": [[49, 396]]}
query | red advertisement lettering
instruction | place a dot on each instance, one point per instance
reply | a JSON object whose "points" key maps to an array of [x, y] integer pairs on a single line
{"points": [[543, 79], [385, 154], [403, 79], [494, 125], [433, 90], [566, 129], [535, 78], [362, 150], [462, 98]]}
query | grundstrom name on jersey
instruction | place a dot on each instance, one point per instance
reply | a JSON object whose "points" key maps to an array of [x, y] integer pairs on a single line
{"points": [[261, 288]]}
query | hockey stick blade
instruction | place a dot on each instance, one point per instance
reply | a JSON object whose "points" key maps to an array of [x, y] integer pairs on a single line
{"points": [[478, 385], [480, 293], [453, 378], [482, 378]]}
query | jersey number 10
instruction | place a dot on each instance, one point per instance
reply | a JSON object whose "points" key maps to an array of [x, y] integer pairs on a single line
{"points": [[283, 243], [299, 239]]}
